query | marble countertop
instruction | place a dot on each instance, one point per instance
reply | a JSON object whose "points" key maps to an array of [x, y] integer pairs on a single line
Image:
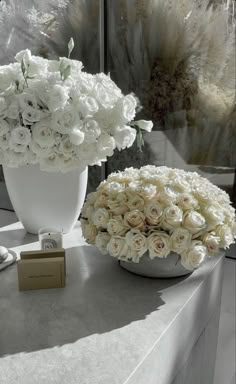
{"points": [[106, 326]]}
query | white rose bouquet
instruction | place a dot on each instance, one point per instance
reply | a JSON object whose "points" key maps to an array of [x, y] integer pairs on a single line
{"points": [[159, 210], [55, 115]]}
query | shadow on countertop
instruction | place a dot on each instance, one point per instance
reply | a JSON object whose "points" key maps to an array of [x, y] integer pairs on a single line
{"points": [[99, 297]]}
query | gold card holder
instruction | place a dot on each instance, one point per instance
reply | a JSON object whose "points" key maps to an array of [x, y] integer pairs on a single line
{"points": [[42, 269]]}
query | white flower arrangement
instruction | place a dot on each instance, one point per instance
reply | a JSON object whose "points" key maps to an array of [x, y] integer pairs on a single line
{"points": [[158, 210], [55, 115]]}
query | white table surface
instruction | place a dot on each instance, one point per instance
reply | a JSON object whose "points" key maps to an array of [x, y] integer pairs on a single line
{"points": [[106, 326]]}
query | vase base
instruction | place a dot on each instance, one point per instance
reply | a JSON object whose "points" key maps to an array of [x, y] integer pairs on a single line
{"points": [[168, 267]]}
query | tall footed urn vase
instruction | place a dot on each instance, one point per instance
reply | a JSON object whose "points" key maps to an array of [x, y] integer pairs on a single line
{"points": [[46, 199]]}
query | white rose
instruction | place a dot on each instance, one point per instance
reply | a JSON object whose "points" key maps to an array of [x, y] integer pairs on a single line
{"points": [[66, 147], [58, 97], [102, 239], [146, 125], [21, 135], [127, 108], [14, 159], [86, 83], [4, 127], [89, 231], [31, 156], [106, 89], [158, 245], [87, 153], [172, 217], [233, 228], [40, 88], [38, 150], [115, 226], [169, 194], [214, 214], [37, 67], [42, 134], [117, 247], [92, 197], [135, 202], [4, 141], [31, 116], [114, 187], [229, 213], [202, 194], [101, 201], [101, 217], [24, 55], [194, 256], [212, 243], [148, 191], [6, 82], [76, 136], [180, 240], [17, 147], [135, 219], [124, 137], [134, 187], [91, 131], [8, 76], [129, 174], [70, 163], [105, 145], [27, 100], [194, 222], [153, 212], [88, 106], [51, 162], [118, 204], [12, 111], [64, 121], [186, 201], [103, 96], [75, 65], [136, 241], [225, 234], [223, 198], [180, 184], [87, 211], [3, 105]]}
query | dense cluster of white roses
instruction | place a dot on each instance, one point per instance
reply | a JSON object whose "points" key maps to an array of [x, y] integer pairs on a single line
{"points": [[159, 210], [54, 114]]}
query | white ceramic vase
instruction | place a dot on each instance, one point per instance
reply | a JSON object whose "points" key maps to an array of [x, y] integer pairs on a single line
{"points": [[46, 199]]}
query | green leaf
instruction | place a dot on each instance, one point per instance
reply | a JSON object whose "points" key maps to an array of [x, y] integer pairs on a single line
{"points": [[66, 72], [23, 68], [62, 67], [140, 141]]}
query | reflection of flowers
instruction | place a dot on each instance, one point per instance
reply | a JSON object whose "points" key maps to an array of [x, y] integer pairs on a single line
{"points": [[168, 92], [184, 55], [120, 222]]}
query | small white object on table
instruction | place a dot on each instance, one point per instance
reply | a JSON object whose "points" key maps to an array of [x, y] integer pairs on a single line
{"points": [[107, 326], [3, 254]]}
